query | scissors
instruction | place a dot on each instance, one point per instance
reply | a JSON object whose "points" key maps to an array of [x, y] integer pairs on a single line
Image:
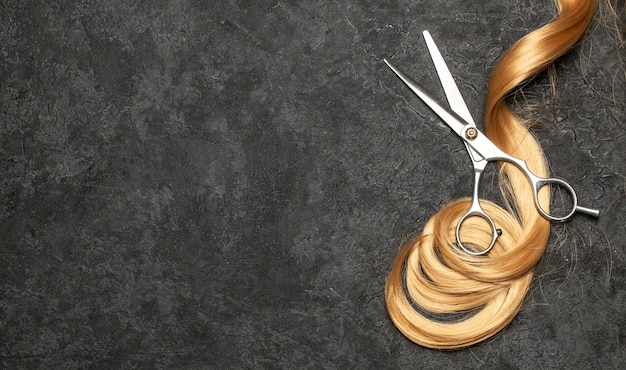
{"points": [[481, 150]]}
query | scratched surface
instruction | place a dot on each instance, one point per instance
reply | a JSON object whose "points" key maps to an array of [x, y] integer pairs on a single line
{"points": [[197, 184]]}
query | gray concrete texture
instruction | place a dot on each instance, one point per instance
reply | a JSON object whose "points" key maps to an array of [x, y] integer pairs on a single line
{"points": [[225, 184]]}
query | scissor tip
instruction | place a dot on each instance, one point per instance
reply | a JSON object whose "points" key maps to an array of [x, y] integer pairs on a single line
{"points": [[388, 63]]}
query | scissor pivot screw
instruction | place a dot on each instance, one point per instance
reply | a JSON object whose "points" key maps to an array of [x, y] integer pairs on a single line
{"points": [[471, 133]]}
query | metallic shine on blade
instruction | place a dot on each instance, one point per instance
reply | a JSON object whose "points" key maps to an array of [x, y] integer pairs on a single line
{"points": [[455, 99], [456, 123]]}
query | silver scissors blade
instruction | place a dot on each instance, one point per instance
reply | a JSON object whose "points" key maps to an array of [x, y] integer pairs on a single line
{"points": [[455, 99], [452, 119]]}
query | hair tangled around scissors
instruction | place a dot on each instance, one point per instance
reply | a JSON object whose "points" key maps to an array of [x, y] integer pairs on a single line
{"points": [[433, 281]]}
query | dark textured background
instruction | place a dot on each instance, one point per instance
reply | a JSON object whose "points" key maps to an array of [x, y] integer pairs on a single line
{"points": [[224, 184]]}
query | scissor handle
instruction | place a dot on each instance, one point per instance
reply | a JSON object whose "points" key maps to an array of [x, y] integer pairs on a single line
{"points": [[476, 211], [538, 183], [490, 152]]}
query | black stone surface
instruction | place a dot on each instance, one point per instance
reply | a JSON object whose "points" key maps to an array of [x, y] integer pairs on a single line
{"points": [[224, 184]]}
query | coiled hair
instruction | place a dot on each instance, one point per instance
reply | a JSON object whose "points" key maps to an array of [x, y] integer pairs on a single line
{"points": [[441, 297]]}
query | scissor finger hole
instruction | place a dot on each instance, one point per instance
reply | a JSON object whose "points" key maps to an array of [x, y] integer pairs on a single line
{"points": [[475, 235], [562, 201]]}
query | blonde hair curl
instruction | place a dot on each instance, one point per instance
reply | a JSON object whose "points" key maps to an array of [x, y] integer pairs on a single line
{"points": [[441, 297]]}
